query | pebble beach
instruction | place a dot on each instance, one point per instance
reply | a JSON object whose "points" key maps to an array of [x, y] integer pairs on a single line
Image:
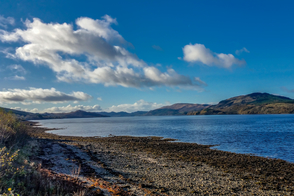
{"points": [[125, 165]]}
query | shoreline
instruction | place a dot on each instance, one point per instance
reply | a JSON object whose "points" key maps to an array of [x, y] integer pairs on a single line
{"points": [[159, 166], [272, 154]]}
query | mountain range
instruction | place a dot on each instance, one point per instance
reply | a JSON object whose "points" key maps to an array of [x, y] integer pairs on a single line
{"points": [[255, 103]]}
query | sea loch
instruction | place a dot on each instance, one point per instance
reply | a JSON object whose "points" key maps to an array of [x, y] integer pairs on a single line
{"points": [[263, 135]]}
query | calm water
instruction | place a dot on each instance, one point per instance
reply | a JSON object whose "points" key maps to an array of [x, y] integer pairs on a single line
{"points": [[263, 135]]}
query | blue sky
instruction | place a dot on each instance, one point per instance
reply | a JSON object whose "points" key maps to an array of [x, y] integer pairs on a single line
{"points": [[60, 56]]}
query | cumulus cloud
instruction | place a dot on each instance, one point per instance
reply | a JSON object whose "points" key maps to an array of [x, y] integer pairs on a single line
{"points": [[62, 109], [238, 52], [140, 105], [69, 108], [60, 47], [199, 53], [101, 28], [39, 95], [6, 21]]}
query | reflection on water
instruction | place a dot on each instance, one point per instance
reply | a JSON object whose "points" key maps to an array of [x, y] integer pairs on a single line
{"points": [[263, 135]]}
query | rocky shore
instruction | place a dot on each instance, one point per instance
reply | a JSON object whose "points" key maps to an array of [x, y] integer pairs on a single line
{"points": [[155, 166]]}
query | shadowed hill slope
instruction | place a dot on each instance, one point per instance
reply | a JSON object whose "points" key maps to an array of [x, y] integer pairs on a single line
{"points": [[177, 109], [255, 103]]}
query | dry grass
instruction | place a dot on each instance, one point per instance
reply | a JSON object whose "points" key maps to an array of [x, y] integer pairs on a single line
{"points": [[21, 176]]}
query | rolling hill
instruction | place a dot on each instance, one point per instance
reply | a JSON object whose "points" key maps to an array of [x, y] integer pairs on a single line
{"points": [[36, 116], [177, 109], [255, 103]]}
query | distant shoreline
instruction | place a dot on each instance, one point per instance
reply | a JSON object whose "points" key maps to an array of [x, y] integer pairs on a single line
{"points": [[254, 103]]}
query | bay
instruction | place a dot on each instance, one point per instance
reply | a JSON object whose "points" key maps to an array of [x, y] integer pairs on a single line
{"points": [[263, 135]]}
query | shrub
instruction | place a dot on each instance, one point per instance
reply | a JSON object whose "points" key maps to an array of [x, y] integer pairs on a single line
{"points": [[12, 130], [20, 176]]}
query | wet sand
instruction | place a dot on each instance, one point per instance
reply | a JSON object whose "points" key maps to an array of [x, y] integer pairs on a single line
{"points": [[155, 166]]}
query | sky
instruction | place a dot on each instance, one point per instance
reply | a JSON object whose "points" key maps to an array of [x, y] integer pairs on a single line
{"points": [[62, 56]]}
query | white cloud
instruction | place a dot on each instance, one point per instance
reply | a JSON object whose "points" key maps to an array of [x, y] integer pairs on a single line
{"points": [[170, 78], [199, 53], [101, 28], [35, 110], [5, 21], [69, 108], [62, 109], [20, 109], [18, 72], [39, 95], [59, 47], [140, 105], [238, 52], [99, 98], [17, 68], [16, 77]]}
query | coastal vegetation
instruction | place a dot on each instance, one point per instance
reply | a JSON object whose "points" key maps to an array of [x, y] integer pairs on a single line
{"points": [[20, 173]]}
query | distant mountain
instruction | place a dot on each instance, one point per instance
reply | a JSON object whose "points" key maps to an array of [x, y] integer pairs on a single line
{"points": [[255, 103], [177, 109], [36, 116], [76, 114], [122, 114]]}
